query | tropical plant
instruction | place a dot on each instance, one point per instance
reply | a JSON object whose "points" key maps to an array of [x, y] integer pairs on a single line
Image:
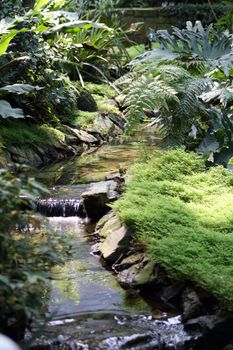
{"points": [[42, 45], [193, 46]]}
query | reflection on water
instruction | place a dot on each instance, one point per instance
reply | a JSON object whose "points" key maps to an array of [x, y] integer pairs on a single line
{"points": [[93, 167], [82, 284]]}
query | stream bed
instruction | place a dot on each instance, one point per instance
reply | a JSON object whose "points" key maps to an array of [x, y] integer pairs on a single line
{"points": [[86, 308]]}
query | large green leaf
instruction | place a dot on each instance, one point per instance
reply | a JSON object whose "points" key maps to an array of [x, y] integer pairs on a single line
{"points": [[75, 26], [6, 39], [20, 88], [7, 111], [40, 3]]}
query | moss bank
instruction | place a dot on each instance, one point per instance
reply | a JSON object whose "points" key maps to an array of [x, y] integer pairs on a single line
{"points": [[184, 214], [17, 132]]}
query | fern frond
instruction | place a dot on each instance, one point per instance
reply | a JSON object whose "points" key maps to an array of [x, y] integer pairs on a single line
{"points": [[171, 73], [190, 106], [147, 93]]}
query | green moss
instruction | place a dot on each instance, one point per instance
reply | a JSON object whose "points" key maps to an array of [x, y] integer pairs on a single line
{"points": [[184, 214], [19, 133], [83, 119], [101, 89], [105, 106]]}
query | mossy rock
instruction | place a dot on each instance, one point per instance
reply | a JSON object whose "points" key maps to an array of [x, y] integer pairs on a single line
{"points": [[85, 102]]}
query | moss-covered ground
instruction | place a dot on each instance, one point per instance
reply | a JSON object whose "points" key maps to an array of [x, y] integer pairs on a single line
{"points": [[17, 132], [184, 214]]}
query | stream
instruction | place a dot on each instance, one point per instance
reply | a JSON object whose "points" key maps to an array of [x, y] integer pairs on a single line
{"points": [[86, 309]]}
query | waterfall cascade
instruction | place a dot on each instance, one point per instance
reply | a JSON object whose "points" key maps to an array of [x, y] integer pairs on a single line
{"points": [[60, 207]]}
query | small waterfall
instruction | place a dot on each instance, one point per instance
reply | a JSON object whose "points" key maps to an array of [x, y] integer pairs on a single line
{"points": [[60, 207]]}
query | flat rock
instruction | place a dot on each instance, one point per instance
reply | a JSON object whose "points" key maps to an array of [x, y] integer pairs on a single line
{"points": [[116, 244], [81, 135], [129, 261], [97, 197]]}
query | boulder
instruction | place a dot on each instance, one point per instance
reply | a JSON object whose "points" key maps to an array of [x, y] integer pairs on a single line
{"points": [[103, 221], [96, 198], [118, 120], [127, 277], [26, 155], [192, 305], [105, 126], [146, 275], [116, 244], [213, 332], [110, 226], [85, 102]]}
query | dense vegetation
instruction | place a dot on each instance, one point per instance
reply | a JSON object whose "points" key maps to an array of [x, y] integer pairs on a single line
{"points": [[183, 213], [53, 54], [187, 83]]}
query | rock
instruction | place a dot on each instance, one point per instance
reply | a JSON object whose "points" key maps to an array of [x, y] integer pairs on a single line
{"points": [[103, 220], [97, 197], [95, 249], [116, 244], [192, 305], [228, 347], [129, 261], [126, 278], [26, 155], [86, 137], [105, 126], [213, 331], [120, 99], [80, 135], [169, 293], [146, 275], [86, 102], [118, 120], [113, 224]]}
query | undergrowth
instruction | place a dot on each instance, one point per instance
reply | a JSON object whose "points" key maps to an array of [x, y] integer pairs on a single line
{"points": [[21, 133], [184, 214]]}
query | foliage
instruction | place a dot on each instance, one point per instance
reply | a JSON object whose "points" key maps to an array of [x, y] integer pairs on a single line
{"points": [[186, 86], [183, 213], [28, 251], [42, 47], [168, 89], [208, 47], [226, 20]]}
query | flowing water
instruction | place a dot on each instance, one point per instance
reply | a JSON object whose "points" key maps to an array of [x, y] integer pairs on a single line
{"points": [[86, 307]]}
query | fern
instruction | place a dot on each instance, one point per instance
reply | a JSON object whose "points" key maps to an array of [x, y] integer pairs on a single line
{"points": [[147, 93], [190, 107]]}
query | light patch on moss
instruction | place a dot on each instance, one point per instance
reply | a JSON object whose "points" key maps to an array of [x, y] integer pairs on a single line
{"points": [[83, 119], [101, 89], [184, 214]]}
